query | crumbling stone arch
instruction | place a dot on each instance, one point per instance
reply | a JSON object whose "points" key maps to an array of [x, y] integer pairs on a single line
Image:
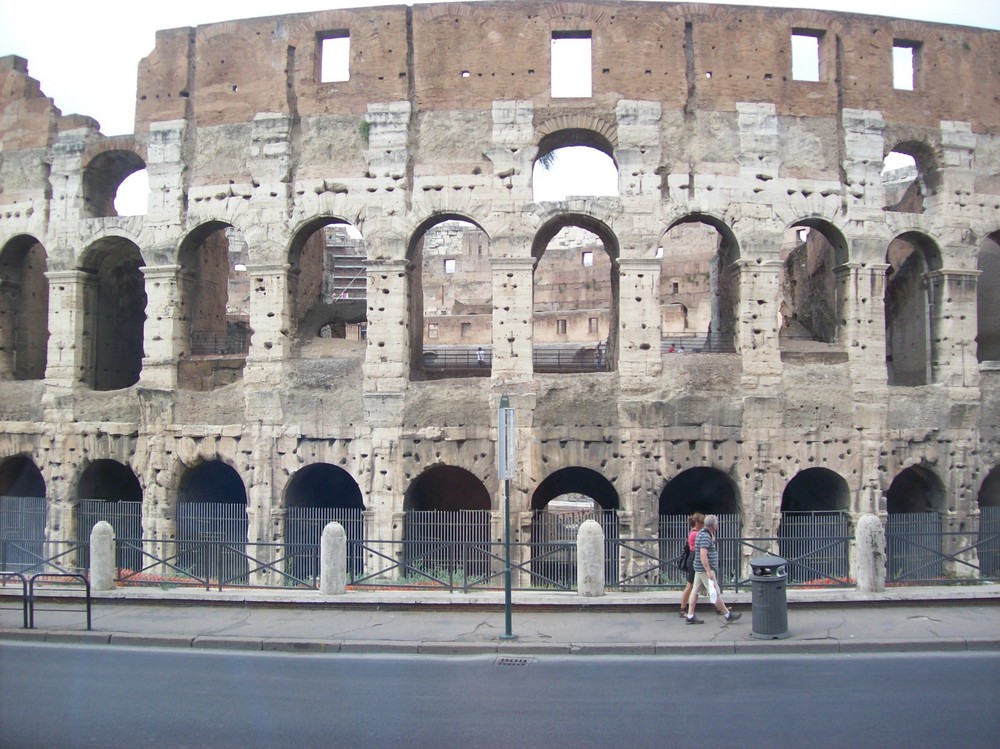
{"points": [[20, 477], [916, 489], [811, 308], [214, 306], [115, 313], [108, 479], [446, 487], [24, 309], [908, 340], [910, 195], [701, 489], [327, 280], [106, 164]]}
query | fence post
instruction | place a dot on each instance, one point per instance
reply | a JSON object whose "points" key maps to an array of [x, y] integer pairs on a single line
{"points": [[870, 557], [102, 556], [590, 559], [333, 560]]}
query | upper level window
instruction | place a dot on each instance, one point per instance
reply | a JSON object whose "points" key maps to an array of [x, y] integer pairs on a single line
{"points": [[571, 64], [449, 265], [805, 54], [905, 56], [588, 259], [334, 56]]}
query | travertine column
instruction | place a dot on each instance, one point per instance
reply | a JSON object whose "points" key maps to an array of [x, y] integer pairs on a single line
{"points": [[163, 334], [70, 354], [513, 336], [952, 304], [757, 323], [387, 358], [638, 344], [861, 307]]}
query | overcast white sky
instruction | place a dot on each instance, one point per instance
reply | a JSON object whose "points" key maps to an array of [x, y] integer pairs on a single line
{"points": [[85, 54]]}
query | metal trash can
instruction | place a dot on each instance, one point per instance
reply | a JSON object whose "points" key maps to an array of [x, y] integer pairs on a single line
{"points": [[769, 602]]}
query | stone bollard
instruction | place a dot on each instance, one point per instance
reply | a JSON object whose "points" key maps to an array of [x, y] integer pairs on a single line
{"points": [[870, 555], [102, 557], [590, 559], [333, 560]]}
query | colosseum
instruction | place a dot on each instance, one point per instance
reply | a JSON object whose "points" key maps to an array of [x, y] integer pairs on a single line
{"points": [[786, 309]]}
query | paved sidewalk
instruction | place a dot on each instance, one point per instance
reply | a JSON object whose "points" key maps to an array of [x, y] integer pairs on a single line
{"points": [[831, 621]]}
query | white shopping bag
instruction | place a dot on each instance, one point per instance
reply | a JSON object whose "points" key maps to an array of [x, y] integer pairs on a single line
{"points": [[713, 591]]}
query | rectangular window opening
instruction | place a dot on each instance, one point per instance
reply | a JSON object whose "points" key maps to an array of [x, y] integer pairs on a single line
{"points": [[560, 327], [334, 56], [466, 329], [432, 330], [571, 64], [905, 55], [593, 324], [588, 259], [449, 265], [805, 54]]}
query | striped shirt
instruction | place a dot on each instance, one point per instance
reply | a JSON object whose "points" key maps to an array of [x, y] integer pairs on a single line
{"points": [[705, 541]]}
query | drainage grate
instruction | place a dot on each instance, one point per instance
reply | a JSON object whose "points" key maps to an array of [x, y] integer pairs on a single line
{"points": [[509, 661]]}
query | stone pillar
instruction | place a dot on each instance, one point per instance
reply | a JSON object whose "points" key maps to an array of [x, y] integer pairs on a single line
{"points": [[70, 353], [163, 335], [954, 184], [638, 344], [165, 170], [269, 343], [590, 559], [9, 291], [638, 153], [758, 324], [102, 557], [861, 307], [513, 335], [333, 560], [952, 303], [390, 316], [869, 560]]}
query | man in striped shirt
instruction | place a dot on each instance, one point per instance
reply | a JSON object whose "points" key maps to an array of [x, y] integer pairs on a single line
{"points": [[706, 572]]}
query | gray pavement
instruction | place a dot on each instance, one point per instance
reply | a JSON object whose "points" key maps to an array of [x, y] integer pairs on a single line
{"points": [[946, 618]]}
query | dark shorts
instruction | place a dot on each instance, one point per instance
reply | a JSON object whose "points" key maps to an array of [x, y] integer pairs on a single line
{"points": [[690, 575]]}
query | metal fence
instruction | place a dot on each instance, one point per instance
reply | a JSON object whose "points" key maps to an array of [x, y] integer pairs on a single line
{"points": [[914, 547], [22, 532], [553, 546], [442, 543], [126, 520], [304, 531], [988, 542], [212, 540], [817, 547]]}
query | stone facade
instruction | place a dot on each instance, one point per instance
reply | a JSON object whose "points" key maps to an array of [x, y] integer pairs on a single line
{"points": [[850, 312]]}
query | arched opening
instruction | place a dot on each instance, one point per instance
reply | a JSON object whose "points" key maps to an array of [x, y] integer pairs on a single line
{"points": [[115, 310], [575, 296], [810, 308], [103, 177], [914, 502], [446, 526], [560, 504], [316, 495], [909, 177], [215, 300], [22, 513], [24, 309], [699, 287], [988, 543], [212, 523], [109, 491], [573, 163], [815, 530], [988, 299], [451, 299], [908, 340], [710, 492], [328, 288], [132, 196]]}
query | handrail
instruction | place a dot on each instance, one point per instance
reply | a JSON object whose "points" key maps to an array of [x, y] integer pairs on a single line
{"points": [[24, 593], [70, 575]]}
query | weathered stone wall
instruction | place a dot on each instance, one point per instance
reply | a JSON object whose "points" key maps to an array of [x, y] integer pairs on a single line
{"points": [[446, 109]]}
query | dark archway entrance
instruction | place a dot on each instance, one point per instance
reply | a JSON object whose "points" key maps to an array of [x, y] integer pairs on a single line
{"points": [[24, 308], [316, 495], [212, 523], [914, 502], [110, 491], [988, 548], [22, 514], [815, 530], [446, 528], [560, 504]]}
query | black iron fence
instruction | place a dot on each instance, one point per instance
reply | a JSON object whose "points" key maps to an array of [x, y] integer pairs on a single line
{"points": [[124, 517], [22, 532], [304, 531], [553, 546]]}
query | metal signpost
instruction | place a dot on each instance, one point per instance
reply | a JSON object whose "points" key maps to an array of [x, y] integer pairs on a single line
{"points": [[506, 465]]}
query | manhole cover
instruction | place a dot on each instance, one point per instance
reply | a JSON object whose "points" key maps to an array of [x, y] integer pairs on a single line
{"points": [[509, 661]]}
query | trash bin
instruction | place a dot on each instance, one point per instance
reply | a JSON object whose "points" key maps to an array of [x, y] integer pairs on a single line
{"points": [[769, 602]]}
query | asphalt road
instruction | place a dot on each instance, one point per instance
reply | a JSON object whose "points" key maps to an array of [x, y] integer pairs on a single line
{"points": [[55, 696]]}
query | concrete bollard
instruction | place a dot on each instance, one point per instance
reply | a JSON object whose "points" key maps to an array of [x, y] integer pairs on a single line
{"points": [[102, 556], [590, 559], [333, 560], [870, 558]]}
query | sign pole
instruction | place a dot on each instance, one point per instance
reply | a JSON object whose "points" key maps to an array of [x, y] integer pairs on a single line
{"points": [[506, 461]]}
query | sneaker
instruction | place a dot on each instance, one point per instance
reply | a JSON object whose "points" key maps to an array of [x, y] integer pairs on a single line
{"points": [[694, 620], [684, 613], [733, 616]]}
